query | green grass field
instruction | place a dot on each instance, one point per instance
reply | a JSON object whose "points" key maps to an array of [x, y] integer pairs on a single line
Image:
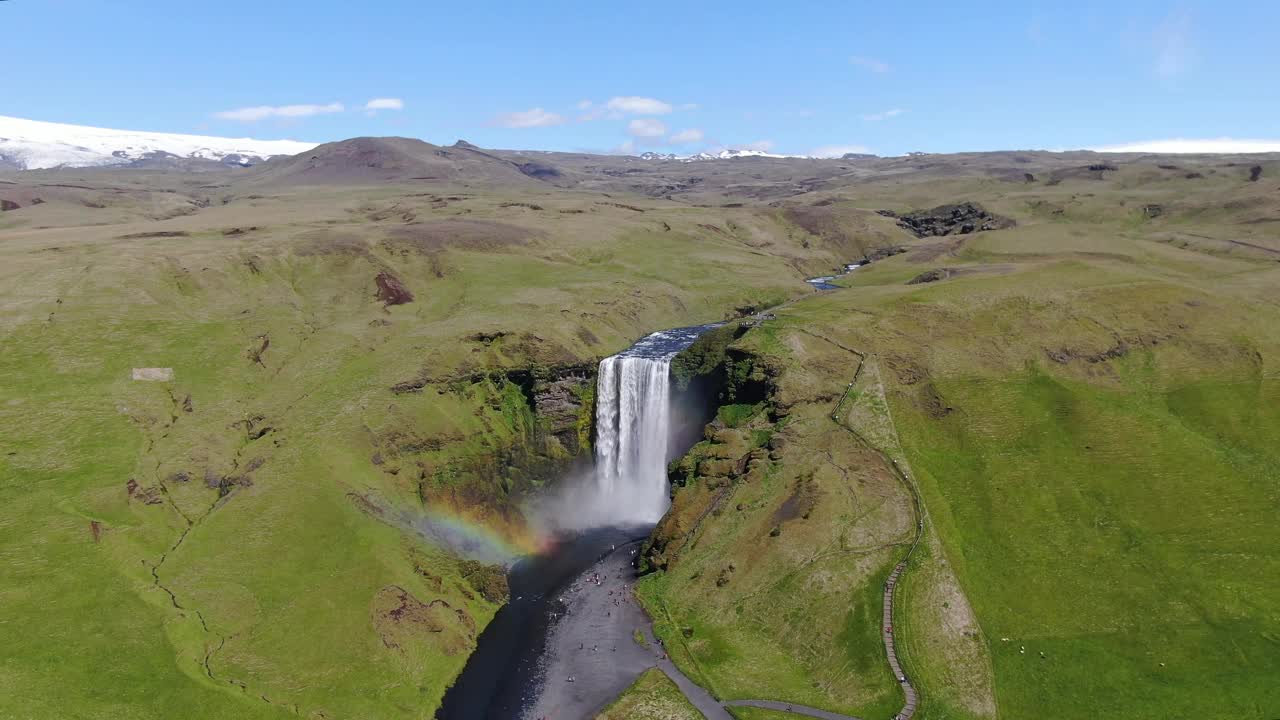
{"points": [[1090, 411], [1088, 402], [652, 696], [209, 546]]}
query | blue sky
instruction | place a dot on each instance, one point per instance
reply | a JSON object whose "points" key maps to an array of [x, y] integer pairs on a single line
{"points": [[791, 77]]}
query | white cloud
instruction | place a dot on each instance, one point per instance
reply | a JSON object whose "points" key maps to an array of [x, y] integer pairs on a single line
{"points": [[866, 63], [684, 137], [626, 148], [633, 105], [1174, 50], [646, 128], [836, 151], [1223, 145], [876, 117], [384, 104], [585, 104], [537, 117], [262, 112], [761, 145]]}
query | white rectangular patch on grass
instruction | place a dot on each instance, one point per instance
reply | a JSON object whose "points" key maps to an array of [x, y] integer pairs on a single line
{"points": [[153, 374]]}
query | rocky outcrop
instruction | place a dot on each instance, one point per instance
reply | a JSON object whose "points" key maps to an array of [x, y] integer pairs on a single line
{"points": [[930, 276], [535, 424], [735, 448], [391, 291], [881, 253], [539, 171], [960, 219], [563, 400]]}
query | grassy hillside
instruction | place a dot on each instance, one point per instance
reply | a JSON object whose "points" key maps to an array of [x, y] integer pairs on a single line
{"points": [[370, 374], [1088, 402], [236, 542], [653, 695], [1092, 431], [776, 547]]}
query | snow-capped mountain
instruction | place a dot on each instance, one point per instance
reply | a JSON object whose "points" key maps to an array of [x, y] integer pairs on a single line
{"points": [[726, 154], [32, 144]]}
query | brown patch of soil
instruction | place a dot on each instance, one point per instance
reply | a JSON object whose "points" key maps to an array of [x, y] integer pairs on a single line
{"points": [[1066, 355], [155, 234], [365, 504], [390, 291], [487, 338], [435, 235], [801, 501], [632, 208], [147, 496], [401, 619], [435, 582], [934, 405], [95, 529], [906, 372], [255, 353], [330, 242]]}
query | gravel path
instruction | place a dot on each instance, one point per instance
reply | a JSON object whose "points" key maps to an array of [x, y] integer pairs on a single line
{"points": [[591, 654], [790, 708]]}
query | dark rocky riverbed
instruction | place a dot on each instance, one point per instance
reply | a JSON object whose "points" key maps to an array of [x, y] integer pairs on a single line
{"points": [[520, 654]]}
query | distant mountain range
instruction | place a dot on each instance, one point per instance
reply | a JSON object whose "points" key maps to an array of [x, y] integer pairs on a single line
{"points": [[728, 154], [35, 145], [32, 145]]}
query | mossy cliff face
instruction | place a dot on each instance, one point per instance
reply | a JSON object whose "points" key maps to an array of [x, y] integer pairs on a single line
{"points": [[734, 446], [764, 579], [531, 425]]}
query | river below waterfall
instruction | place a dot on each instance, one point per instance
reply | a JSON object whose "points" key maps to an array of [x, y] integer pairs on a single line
{"points": [[507, 672], [562, 646]]}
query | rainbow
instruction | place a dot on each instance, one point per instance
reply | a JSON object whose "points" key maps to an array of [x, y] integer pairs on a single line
{"points": [[475, 540]]}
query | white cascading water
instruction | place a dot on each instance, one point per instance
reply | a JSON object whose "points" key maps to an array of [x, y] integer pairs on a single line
{"points": [[633, 441], [633, 408], [633, 428]]}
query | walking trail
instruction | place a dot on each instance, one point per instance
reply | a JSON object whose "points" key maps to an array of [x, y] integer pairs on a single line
{"points": [[569, 656], [716, 710]]}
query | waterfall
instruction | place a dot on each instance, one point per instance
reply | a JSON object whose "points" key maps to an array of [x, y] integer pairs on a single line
{"points": [[633, 426], [633, 405]]}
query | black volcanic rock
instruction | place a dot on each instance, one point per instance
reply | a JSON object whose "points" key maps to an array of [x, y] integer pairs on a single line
{"points": [[960, 219], [881, 253], [538, 170], [930, 276]]}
